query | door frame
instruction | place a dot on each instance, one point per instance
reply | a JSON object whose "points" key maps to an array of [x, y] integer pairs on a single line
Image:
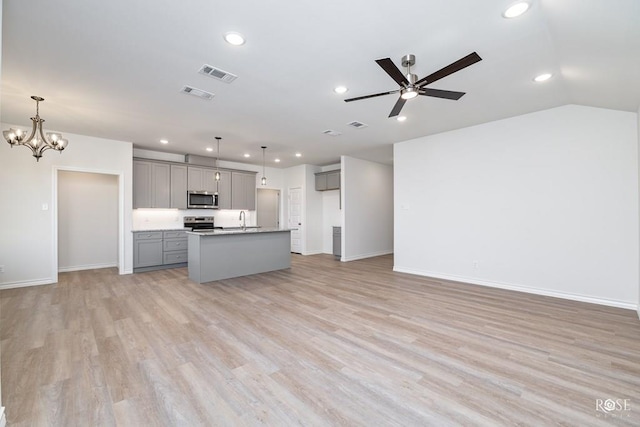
{"points": [[54, 217], [302, 215]]}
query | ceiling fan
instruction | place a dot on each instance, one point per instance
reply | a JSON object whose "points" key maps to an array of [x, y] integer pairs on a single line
{"points": [[412, 87]]}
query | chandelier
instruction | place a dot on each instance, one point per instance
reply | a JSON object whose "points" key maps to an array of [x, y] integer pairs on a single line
{"points": [[37, 141]]}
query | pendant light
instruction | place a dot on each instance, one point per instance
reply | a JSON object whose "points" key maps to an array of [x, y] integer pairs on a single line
{"points": [[218, 159], [263, 181]]}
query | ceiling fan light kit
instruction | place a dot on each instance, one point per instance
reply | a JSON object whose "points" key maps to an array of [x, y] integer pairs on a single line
{"points": [[411, 87]]}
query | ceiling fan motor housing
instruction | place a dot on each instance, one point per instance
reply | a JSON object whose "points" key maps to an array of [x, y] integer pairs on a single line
{"points": [[408, 60]]}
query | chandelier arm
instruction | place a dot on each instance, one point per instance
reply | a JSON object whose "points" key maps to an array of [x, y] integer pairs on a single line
{"points": [[26, 141], [45, 139]]}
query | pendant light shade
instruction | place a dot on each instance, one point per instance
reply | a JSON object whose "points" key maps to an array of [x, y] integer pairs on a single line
{"points": [[263, 181]]}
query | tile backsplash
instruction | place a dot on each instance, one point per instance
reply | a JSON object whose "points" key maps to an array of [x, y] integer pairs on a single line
{"points": [[154, 219]]}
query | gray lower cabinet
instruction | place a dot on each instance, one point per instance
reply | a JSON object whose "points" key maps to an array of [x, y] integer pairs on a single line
{"points": [[154, 250], [337, 241], [147, 249]]}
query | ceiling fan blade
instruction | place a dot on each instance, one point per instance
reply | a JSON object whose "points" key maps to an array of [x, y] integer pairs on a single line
{"points": [[398, 107], [437, 93], [393, 71], [371, 96], [461, 63]]}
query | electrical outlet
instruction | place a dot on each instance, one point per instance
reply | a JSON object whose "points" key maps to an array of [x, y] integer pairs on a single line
{"points": [[476, 264], [1, 268]]}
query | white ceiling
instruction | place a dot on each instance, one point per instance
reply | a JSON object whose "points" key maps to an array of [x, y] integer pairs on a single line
{"points": [[114, 69]]}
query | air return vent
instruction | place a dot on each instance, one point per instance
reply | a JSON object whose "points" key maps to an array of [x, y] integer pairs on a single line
{"points": [[217, 73], [357, 125], [331, 132], [189, 90]]}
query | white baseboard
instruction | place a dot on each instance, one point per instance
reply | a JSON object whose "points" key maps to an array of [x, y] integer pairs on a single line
{"points": [[25, 283], [86, 267], [363, 256], [3, 418], [519, 288], [312, 253]]}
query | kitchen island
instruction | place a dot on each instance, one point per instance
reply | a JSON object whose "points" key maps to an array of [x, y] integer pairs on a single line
{"points": [[223, 254]]}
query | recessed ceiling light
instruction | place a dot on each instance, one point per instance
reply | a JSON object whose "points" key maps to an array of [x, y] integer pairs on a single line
{"points": [[277, 160], [516, 9], [234, 38], [401, 118], [542, 77], [298, 154], [340, 89], [247, 155], [164, 141], [209, 149]]}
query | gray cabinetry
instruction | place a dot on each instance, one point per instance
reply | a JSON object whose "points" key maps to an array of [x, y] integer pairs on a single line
{"points": [[201, 179], [155, 250], [174, 247], [147, 249], [337, 241], [178, 187], [224, 190], [243, 190], [328, 180], [151, 184]]}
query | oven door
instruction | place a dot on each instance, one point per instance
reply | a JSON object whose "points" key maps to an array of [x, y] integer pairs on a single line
{"points": [[202, 200]]}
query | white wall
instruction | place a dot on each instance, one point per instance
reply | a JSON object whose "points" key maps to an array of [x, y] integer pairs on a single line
{"points": [[313, 212], [545, 202], [638, 118], [28, 247], [87, 221], [367, 208], [331, 214]]}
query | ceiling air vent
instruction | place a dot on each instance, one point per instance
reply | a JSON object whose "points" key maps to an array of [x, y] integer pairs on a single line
{"points": [[217, 73], [331, 132], [189, 90], [357, 125]]}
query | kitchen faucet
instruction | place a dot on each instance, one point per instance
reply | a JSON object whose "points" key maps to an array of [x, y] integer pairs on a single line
{"points": [[243, 218]]}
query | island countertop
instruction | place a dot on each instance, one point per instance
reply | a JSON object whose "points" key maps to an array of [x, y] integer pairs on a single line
{"points": [[238, 230]]}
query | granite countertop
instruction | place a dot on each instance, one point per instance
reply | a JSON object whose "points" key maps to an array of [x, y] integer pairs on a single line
{"points": [[238, 230], [146, 230]]}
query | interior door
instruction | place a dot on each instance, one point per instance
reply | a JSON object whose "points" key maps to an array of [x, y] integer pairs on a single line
{"points": [[295, 219], [268, 209]]}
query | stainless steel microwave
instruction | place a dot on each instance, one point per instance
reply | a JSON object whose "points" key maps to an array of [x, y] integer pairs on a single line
{"points": [[202, 200]]}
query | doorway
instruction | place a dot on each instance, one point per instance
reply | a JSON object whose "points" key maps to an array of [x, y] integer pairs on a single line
{"points": [[295, 219], [268, 208], [87, 220]]}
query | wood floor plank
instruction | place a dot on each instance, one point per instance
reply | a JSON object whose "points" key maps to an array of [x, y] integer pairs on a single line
{"points": [[322, 343]]}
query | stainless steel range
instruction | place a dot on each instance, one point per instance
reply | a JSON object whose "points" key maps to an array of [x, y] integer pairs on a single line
{"points": [[198, 222]]}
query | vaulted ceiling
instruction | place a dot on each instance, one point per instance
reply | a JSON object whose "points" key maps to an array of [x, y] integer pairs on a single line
{"points": [[114, 69]]}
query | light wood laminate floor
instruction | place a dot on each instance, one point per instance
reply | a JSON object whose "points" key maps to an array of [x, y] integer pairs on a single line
{"points": [[323, 343]]}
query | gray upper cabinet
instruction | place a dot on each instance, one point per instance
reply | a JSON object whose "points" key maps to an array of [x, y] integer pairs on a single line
{"points": [[178, 187], [151, 184], [224, 190], [243, 190], [201, 179], [328, 180]]}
